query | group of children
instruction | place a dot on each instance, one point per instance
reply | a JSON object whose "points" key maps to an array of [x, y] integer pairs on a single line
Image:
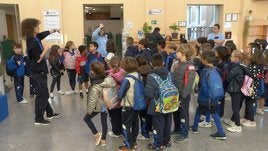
{"points": [[183, 66]]}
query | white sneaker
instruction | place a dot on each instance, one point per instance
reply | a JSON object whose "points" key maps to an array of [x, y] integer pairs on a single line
{"points": [[69, 92], [111, 133], [204, 124], [141, 137], [51, 95], [259, 111], [248, 123], [76, 91], [235, 129], [24, 101], [228, 122], [61, 93]]}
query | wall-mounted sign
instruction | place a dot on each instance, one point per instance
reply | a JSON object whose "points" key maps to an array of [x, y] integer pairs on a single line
{"points": [[52, 21], [182, 23], [154, 22], [155, 12]]}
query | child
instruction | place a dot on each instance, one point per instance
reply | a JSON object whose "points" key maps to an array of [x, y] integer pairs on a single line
{"points": [[183, 79], [234, 81], [111, 49], [161, 44], [131, 51], [93, 55], [95, 103], [144, 50], [56, 70], [171, 51], [16, 65], [130, 121], [146, 120], [69, 54], [204, 105], [161, 122], [117, 73], [80, 66], [257, 72]]}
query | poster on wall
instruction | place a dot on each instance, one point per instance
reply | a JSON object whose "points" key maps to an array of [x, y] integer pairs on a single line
{"points": [[52, 21], [155, 12]]}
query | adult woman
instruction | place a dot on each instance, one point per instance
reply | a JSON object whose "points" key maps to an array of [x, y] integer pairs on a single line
{"points": [[36, 53], [99, 36]]}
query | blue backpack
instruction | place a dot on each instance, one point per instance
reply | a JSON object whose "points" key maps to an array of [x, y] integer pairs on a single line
{"points": [[168, 100], [139, 99], [212, 89]]}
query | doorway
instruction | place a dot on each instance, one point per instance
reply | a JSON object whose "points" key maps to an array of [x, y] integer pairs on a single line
{"points": [[111, 15]]}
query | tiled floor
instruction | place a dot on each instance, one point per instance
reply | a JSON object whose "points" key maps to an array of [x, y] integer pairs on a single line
{"points": [[70, 133]]}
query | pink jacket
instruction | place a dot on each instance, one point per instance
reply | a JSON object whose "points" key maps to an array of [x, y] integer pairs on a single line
{"points": [[69, 59]]}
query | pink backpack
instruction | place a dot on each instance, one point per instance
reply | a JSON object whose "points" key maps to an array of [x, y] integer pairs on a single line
{"points": [[247, 87]]}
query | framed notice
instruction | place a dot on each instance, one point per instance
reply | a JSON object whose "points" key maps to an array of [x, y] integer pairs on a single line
{"points": [[235, 17], [182, 23], [228, 17], [52, 21]]}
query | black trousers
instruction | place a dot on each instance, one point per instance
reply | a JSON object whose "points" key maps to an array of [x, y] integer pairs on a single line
{"points": [[184, 115], [236, 103], [72, 77], [32, 86], [42, 96], [161, 129], [177, 121], [55, 80], [249, 108], [116, 120], [92, 127], [130, 125], [221, 114], [145, 123]]}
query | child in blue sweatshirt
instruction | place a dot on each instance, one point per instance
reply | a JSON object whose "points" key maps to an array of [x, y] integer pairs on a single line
{"points": [[16, 66]]}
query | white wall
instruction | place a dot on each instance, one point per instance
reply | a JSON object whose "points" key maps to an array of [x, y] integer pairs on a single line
{"points": [[3, 24], [114, 26]]}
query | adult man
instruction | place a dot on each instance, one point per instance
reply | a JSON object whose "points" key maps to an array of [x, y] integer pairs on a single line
{"points": [[154, 38], [216, 36]]}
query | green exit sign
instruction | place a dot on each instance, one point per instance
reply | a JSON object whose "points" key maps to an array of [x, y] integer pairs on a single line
{"points": [[154, 22]]}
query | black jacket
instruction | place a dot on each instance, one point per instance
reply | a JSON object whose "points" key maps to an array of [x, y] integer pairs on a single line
{"points": [[152, 89], [132, 51], [56, 67], [34, 50], [235, 77]]}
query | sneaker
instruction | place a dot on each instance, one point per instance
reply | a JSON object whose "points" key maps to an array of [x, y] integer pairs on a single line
{"points": [[69, 92], [141, 137], [242, 120], [103, 143], [76, 91], [81, 95], [218, 136], [259, 111], [111, 133], [61, 93], [51, 95], [235, 129], [204, 124], [53, 116], [180, 139], [249, 123], [24, 101], [167, 145], [42, 122], [195, 131], [152, 147], [228, 122], [125, 148], [134, 144], [97, 139]]}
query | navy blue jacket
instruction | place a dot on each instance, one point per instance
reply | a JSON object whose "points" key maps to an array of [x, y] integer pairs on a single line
{"points": [[93, 57], [168, 62], [16, 68], [132, 51], [152, 89], [147, 53]]}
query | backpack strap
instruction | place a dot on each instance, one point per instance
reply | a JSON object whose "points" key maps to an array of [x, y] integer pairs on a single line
{"points": [[188, 69], [157, 78]]}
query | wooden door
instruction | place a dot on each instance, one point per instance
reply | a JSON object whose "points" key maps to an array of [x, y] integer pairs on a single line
{"points": [[10, 30]]}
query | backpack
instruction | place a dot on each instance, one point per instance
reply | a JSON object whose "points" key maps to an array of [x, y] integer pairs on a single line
{"points": [[9, 72], [225, 71], [139, 99], [212, 87], [247, 87], [110, 96], [168, 100]]}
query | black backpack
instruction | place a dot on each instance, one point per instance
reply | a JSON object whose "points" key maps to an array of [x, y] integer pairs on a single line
{"points": [[8, 71]]}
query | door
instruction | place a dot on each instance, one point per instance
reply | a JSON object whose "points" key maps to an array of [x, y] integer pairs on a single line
{"points": [[10, 30]]}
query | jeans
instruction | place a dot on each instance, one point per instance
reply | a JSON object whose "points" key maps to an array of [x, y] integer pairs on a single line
{"points": [[72, 76], [55, 80], [19, 86]]}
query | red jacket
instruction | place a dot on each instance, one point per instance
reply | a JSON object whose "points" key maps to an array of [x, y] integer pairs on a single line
{"points": [[80, 64]]}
